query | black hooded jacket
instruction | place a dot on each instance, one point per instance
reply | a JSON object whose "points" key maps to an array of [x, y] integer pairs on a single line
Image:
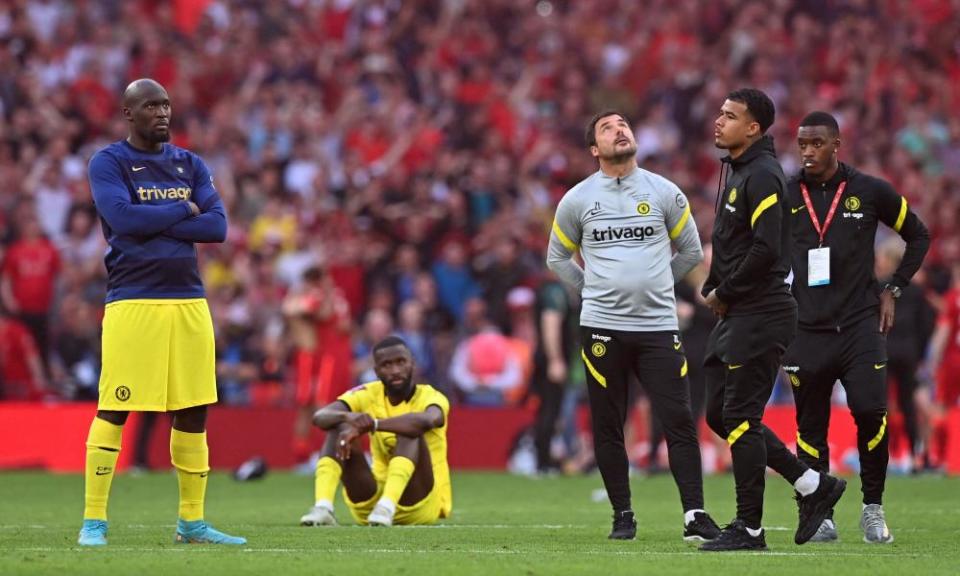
{"points": [[751, 235]]}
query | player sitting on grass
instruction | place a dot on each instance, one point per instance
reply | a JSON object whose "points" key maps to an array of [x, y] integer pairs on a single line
{"points": [[410, 481]]}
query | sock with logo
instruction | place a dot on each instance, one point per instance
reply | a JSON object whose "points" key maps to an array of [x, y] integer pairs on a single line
{"points": [[398, 475], [326, 481], [189, 455], [103, 449]]}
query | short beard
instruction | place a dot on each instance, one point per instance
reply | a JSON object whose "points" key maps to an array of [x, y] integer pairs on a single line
{"points": [[403, 388], [621, 157]]}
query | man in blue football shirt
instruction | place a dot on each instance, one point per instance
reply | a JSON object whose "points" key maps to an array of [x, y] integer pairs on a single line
{"points": [[155, 200]]}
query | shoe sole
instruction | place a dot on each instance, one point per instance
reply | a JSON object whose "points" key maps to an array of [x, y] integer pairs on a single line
{"points": [[312, 523], [695, 539], [888, 541], [753, 549], [824, 509]]}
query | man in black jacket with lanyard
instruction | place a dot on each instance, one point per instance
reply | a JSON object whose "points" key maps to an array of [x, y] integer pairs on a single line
{"points": [[844, 312], [747, 290]]}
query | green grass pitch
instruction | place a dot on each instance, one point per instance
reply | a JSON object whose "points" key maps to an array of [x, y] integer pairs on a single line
{"points": [[501, 525]]}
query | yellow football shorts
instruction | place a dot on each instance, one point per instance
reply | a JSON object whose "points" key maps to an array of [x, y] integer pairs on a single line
{"points": [[426, 511], [158, 355]]}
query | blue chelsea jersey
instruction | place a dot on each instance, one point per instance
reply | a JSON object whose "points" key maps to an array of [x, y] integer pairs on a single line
{"points": [[141, 198]]}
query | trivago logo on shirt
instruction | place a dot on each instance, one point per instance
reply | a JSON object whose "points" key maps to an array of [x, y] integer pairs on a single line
{"points": [[155, 194], [610, 233]]}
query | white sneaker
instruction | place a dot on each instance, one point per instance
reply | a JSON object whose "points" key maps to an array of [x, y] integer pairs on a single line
{"points": [[318, 516], [874, 525], [382, 514], [827, 532]]}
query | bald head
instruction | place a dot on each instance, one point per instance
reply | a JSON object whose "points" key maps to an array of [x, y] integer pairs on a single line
{"points": [[146, 106], [140, 89]]}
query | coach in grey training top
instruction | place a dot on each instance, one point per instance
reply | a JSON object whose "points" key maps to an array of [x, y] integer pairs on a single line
{"points": [[624, 219], [624, 227]]}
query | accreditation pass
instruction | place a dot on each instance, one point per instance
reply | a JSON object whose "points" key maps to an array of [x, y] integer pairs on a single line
{"points": [[818, 267]]}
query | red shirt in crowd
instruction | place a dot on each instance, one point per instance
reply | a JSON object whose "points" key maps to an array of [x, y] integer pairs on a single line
{"points": [[31, 266], [950, 317], [17, 349]]}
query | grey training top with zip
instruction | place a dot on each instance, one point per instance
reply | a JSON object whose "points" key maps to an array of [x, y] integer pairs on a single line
{"points": [[624, 228]]}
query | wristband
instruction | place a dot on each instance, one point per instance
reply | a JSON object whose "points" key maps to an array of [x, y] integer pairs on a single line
{"points": [[375, 424]]}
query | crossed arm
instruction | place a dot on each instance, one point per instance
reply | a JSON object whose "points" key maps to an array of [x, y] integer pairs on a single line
{"points": [[203, 221], [351, 425]]}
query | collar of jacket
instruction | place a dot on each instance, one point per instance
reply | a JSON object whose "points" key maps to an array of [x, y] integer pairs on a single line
{"points": [[617, 180], [839, 176], [762, 146]]}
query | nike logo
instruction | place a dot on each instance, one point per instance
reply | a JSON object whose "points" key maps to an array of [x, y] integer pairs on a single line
{"points": [[879, 366], [138, 168], [203, 474], [734, 366], [103, 470], [676, 346], [797, 209]]}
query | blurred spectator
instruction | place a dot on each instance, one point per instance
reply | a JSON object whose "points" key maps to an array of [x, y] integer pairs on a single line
{"points": [[30, 269], [906, 344], [455, 282], [485, 368], [377, 325], [411, 327], [944, 364], [76, 349], [557, 320], [21, 371], [318, 319]]}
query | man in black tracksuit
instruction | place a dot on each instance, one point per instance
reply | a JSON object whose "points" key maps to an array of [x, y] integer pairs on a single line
{"points": [[844, 312], [747, 290]]}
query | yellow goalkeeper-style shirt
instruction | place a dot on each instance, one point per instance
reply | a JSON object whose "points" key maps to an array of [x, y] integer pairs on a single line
{"points": [[371, 398]]}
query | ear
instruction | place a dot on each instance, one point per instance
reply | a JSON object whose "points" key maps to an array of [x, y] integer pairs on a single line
{"points": [[753, 129], [595, 151], [127, 114]]}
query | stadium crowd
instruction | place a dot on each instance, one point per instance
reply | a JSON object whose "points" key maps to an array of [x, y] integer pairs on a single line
{"points": [[412, 153]]}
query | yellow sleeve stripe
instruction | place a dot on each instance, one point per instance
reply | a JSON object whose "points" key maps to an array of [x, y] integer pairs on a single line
{"points": [[738, 432], [876, 439], [902, 216], [766, 203], [683, 369], [593, 371], [563, 238], [683, 222], [806, 447]]}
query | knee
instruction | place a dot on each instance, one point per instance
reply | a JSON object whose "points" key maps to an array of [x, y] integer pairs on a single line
{"points": [[872, 418], [192, 420], [715, 422], [114, 417], [408, 448], [677, 422]]}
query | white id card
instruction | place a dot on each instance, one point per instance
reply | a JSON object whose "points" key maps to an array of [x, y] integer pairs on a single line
{"points": [[818, 267]]}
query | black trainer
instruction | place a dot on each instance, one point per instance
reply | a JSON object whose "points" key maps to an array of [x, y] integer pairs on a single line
{"points": [[624, 526], [701, 529], [734, 536], [816, 507]]}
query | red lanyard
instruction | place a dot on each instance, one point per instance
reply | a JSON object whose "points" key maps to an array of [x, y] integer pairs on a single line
{"points": [[813, 215]]}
